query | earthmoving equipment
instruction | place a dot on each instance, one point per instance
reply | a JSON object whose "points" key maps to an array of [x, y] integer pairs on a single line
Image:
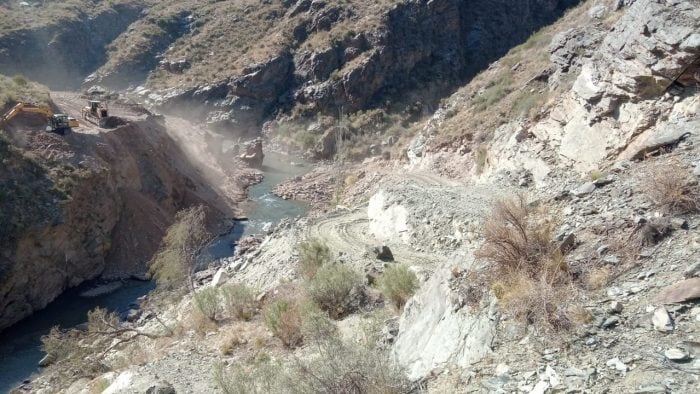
{"points": [[58, 123], [96, 112]]}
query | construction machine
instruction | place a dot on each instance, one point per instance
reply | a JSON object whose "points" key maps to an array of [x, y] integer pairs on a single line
{"points": [[96, 112], [57, 123]]}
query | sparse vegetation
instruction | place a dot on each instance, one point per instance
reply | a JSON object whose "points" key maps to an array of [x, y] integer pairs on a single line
{"points": [[207, 301], [18, 88], [239, 301], [257, 376], [283, 318], [331, 288], [79, 353], [334, 367], [398, 283], [313, 254], [528, 272], [673, 188], [176, 261]]}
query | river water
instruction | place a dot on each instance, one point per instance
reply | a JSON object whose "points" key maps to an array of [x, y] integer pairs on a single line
{"points": [[20, 345]]}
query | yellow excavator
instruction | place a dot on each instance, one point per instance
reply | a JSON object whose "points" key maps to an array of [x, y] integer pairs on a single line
{"points": [[58, 123], [96, 112]]}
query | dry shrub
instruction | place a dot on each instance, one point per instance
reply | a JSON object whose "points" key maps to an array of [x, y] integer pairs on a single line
{"points": [[313, 254], [580, 315], [239, 301], [231, 341], [200, 323], [79, 353], [332, 366], [283, 318], [673, 188], [598, 278], [529, 274], [398, 284]]}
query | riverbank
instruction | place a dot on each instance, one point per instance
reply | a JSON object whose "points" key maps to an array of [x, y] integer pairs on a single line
{"points": [[20, 345]]}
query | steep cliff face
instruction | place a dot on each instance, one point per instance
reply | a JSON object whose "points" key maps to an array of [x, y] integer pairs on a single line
{"points": [[99, 206], [325, 57], [609, 82], [63, 51]]}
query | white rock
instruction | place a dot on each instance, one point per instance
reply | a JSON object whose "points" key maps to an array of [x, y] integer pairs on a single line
{"points": [[433, 334], [220, 277], [617, 364], [502, 370], [661, 320], [553, 377], [540, 388], [676, 354]]}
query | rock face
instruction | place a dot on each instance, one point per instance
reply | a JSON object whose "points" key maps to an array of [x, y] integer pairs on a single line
{"points": [[253, 155], [110, 223], [417, 42], [61, 54], [623, 97], [435, 333]]}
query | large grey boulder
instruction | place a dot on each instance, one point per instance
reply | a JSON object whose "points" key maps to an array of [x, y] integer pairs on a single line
{"points": [[434, 333]]}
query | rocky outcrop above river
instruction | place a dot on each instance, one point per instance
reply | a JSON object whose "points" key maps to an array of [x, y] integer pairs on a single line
{"points": [[412, 44], [118, 192]]}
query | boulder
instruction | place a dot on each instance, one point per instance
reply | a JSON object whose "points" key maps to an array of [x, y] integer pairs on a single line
{"points": [[683, 291], [326, 146], [662, 320], [137, 381], [219, 278], [434, 333], [383, 253], [253, 155]]}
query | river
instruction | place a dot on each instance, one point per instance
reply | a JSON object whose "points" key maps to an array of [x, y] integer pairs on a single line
{"points": [[20, 345]]}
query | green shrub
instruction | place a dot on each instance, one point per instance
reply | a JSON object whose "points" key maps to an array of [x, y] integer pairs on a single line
{"points": [[239, 301], [207, 300], [20, 80], [283, 318], [175, 262], [331, 288], [398, 284], [313, 254], [331, 366]]}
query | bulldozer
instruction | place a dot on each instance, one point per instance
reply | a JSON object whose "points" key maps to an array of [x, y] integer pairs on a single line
{"points": [[57, 123], [96, 112]]}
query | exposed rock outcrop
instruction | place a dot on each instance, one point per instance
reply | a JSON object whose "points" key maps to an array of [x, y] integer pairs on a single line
{"points": [[60, 54], [121, 197], [417, 42], [436, 333], [625, 93]]}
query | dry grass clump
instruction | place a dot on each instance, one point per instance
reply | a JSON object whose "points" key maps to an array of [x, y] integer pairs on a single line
{"points": [[284, 318], [239, 301], [598, 278], [398, 284], [528, 274], [673, 188]]}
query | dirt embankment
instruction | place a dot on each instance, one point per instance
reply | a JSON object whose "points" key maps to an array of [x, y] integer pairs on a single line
{"points": [[106, 197]]}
